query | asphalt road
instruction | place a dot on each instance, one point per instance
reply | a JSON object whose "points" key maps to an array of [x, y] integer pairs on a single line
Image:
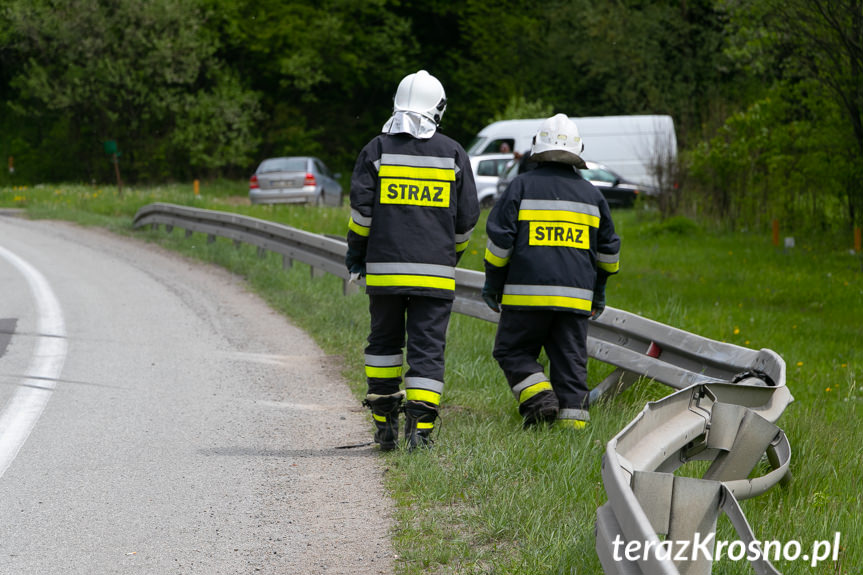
{"points": [[155, 417]]}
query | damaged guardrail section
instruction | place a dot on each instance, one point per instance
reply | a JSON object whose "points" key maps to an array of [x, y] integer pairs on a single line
{"points": [[727, 401]]}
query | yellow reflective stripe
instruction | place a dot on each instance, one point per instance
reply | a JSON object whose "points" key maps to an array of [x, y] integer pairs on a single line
{"points": [[462, 246], [372, 371], [422, 395], [358, 229], [402, 280], [610, 268], [442, 174], [558, 216], [571, 423], [424, 425], [381, 418], [532, 390], [495, 260], [546, 300]]}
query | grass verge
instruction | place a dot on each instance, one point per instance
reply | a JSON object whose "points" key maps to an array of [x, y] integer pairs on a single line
{"points": [[491, 498]]}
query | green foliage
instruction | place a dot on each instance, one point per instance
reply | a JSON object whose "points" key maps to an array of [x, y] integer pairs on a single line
{"points": [[779, 159], [765, 94], [127, 71], [518, 107]]}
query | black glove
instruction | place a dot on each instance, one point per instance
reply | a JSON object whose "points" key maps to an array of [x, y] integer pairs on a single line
{"points": [[355, 261], [598, 305], [491, 296]]}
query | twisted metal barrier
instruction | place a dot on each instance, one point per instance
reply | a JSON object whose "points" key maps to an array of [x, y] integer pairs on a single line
{"points": [[726, 401]]}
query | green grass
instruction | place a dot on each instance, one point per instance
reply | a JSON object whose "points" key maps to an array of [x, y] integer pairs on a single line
{"points": [[491, 498]]}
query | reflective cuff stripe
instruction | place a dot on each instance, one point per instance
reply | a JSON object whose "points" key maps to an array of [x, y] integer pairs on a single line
{"points": [[530, 386], [461, 240], [609, 262], [574, 414], [383, 360], [409, 281], [414, 173], [383, 372], [558, 216], [424, 425], [546, 301], [496, 255], [381, 418], [358, 229], [383, 366], [361, 219], [571, 423], [610, 268], [423, 389], [417, 161], [423, 383], [410, 275], [608, 258], [494, 260], [422, 395]]}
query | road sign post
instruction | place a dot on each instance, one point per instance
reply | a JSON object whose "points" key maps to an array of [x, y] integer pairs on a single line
{"points": [[111, 150]]}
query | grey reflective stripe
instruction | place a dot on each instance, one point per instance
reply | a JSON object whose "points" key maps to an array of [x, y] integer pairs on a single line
{"points": [[361, 219], [417, 161], [608, 258], [578, 414], [460, 238], [497, 250], [410, 269], [560, 205], [383, 360], [424, 383], [531, 379], [377, 165], [561, 291]]}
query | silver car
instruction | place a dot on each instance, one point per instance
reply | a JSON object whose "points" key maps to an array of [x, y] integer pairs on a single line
{"points": [[295, 179], [487, 169]]}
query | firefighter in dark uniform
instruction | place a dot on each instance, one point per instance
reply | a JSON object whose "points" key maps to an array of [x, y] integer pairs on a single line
{"points": [[551, 247], [413, 208]]}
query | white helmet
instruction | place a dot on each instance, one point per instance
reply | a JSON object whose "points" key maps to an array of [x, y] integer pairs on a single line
{"points": [[421, 93], [557, 140]]}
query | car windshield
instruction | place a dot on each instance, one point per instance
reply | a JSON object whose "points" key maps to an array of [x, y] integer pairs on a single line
{"points": [[283, 165]]}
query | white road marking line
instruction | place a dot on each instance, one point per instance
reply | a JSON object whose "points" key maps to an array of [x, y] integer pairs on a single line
{"points": [[24, 409]]}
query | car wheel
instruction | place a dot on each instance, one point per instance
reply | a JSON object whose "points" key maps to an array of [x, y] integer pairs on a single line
{"points": [[486, 202]]}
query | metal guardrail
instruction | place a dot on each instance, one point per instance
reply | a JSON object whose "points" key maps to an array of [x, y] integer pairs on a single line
{"points": [[727, 400]]}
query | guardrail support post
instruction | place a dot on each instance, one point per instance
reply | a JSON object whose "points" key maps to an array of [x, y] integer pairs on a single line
{"points": [[262, 253], [287, 262], [169, 228], [317, 273], [210, 238], [189, 233]]}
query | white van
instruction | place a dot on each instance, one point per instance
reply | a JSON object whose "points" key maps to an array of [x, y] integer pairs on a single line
{"points": [[629, 145]]}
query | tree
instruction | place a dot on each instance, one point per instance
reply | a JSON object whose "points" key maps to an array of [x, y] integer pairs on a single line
{"points": [[820, 41], [130, 71]]}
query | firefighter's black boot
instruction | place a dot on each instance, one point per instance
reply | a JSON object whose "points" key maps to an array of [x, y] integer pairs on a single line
{"points": [[419, 424], [385, 413], [539, 409]]}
